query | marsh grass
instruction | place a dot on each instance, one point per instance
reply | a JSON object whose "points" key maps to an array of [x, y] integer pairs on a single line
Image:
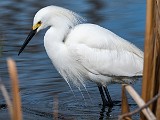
{"points": [[17, 111], [7, 99], [14, 103], [13, 106]]}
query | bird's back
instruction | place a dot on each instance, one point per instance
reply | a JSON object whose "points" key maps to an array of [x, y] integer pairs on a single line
{"points": [[98, 37], [102, 52]]}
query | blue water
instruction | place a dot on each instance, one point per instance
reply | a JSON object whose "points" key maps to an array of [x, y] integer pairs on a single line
{"points": [[40, 84]]}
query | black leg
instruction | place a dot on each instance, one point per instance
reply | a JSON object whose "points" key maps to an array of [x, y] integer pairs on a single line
{"points": [[102, 96], [110, 102]]}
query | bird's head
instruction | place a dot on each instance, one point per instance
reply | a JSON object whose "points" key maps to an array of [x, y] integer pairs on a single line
{"points": [[54, 16]]}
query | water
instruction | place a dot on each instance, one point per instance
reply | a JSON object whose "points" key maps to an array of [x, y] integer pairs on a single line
{"points": [[40, 84]]}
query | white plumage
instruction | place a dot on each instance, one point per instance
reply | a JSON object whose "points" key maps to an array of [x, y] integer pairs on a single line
{"points": [[83, 52]]}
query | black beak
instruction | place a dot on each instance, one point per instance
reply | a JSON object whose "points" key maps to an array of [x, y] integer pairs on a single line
{"points": [[31, 34]]}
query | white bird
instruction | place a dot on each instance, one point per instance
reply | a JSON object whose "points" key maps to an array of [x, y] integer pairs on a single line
{"points": [[82, 51]]}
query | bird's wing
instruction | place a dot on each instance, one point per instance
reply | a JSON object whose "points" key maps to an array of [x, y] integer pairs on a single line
{"points": [[107, 62], [102, 52], [98, 37]]}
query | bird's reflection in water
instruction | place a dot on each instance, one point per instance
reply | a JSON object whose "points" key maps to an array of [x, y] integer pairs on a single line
{"points": [[105, 111]]}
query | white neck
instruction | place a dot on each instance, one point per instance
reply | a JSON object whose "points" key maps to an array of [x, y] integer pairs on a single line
{"points": [[53, 40], [56, 34]]}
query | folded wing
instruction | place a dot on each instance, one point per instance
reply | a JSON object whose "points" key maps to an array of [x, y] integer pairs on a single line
{"points": [[102, 52]]}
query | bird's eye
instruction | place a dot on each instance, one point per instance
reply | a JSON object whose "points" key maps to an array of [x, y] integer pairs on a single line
{"points": [[39, 22]]}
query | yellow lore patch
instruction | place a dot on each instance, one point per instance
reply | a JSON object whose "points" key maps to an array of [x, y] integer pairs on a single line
{"points": [[36, 26]]}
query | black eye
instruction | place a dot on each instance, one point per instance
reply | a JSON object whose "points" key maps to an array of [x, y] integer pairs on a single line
{"points": [[39, 22]]}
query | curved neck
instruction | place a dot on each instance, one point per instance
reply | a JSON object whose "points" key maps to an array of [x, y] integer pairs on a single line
{"points": [[56, 34], [53, 41]]}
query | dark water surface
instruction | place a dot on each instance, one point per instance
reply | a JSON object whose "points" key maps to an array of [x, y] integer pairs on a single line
{"points": [[40, 84]]}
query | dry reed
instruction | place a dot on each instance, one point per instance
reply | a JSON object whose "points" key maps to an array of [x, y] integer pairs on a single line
{"points": [[7, 99], [151, 73], [17, 112], [125, 106], [55, 107]]}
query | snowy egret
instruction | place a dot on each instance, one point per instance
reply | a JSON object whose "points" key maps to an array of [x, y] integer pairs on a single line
{"points": [[82, 51]]}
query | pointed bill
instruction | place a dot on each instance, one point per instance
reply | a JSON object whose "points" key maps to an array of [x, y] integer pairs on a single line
{"points": [[30, 36]]}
